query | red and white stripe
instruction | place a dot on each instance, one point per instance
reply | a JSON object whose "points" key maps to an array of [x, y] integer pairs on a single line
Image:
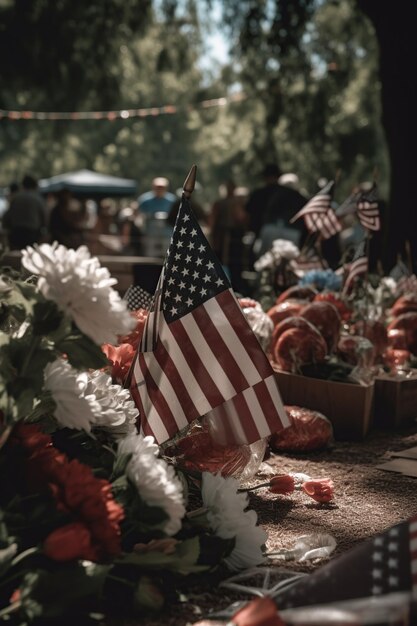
{"points": [[320, 203], [201, 361], [326, 224], [356, 268], [368, 214]]}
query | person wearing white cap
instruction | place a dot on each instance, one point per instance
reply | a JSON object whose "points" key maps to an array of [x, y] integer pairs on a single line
{"points": [[158, 200]]}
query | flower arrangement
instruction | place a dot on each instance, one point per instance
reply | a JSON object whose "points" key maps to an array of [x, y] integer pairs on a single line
{"points": [[322, 279], [93, 517]]}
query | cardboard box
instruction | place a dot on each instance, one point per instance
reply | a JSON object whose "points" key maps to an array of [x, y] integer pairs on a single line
{"points": [[395, 400], [349, 407]]}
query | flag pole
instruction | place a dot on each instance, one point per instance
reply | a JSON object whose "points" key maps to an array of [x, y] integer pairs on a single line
{"points": [[187, 190], [189, 183], [366, 280]]}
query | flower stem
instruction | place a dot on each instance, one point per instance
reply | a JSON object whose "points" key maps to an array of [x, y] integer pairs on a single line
{"points": [[32, 349], [12, 608], [255, 487]]}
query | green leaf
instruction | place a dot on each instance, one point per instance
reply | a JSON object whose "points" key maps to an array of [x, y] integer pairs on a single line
{"points": [[46, 317], [6, 556], [69, 589], [82, 352], [119, 468]]}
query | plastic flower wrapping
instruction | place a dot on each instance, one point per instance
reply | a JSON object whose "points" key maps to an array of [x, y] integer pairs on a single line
{"points": [[326, 327], [94, 518]]}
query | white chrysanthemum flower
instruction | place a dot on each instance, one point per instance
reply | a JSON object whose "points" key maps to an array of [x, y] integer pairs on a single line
{"points": [[228, 518], [267, 260], [285, 249], [155, 480], [75, 407], [118, 413], [81, 288]]}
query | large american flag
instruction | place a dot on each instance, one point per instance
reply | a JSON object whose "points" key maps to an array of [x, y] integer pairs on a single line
{"points": [[318, 214], [357, 267], [198, 355], [384, 564], [365, 204]]}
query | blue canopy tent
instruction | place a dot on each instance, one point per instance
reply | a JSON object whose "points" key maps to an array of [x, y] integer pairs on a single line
{"points": [[89, 183]]}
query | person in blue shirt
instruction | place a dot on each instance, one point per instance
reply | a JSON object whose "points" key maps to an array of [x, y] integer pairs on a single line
{"points": [[158, 200]]}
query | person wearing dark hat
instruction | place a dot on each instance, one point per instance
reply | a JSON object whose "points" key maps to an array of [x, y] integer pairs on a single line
{"points": [[259, 197], [271, 207]]}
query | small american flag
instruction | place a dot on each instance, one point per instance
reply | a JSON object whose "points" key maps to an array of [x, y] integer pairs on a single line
{"points": [[357, 267], [137, 298], [318, 214], [365, 204], [308, 261], [379, 566], [198, 355], [368, 209]]}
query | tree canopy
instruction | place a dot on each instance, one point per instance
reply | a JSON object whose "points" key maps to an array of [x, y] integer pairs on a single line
{"points": [[308, 70]]}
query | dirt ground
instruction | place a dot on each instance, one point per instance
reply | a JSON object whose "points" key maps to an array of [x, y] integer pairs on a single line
{"points": [[367, 501]]}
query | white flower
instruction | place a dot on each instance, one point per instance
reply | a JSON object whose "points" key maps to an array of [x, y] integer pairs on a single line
{"points": [[117, 412], [75, 408], [228, 518], [265, 261], [155, 480], [81, 288], [285, 249]]}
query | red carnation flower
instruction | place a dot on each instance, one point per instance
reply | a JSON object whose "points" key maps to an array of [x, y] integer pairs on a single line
{"points": [[72, 541], [135, 336], [77, 492]]}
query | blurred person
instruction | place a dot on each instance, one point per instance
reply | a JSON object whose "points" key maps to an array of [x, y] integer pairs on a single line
{"points": [[228, 223], [196, 205], [67, 220], [271, 207], [259, 197], [25, 219], [131, 229], [103, 237], [158, 200]]}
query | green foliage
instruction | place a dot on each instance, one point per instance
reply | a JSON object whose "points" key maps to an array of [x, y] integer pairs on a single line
{"points": [[308, 69]]}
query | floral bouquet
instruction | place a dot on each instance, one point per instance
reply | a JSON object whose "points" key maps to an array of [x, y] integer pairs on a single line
{"points": [[92, 517]]}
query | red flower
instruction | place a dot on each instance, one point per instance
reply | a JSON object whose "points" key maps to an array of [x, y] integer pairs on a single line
{"points": [[121, 358], [77, 492], [69, 542], [136, 335], [90, 501], [30, 437], [320, 489], [258, 612], [283, 484]]}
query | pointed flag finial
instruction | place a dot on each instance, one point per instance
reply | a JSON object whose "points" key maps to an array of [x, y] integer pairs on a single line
{"points": [[189, 183]]}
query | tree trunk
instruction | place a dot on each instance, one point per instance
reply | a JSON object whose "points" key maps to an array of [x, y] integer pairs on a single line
{"points": [[396, 34]]}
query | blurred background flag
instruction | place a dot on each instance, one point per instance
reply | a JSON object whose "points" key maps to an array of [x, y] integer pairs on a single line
{"points": [[368, 209], [357, 267], [365, 204], [198, 352], [318, 213]]}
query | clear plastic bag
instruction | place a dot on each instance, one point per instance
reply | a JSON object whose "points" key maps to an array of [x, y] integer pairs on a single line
{"points": [[199, 449]]}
